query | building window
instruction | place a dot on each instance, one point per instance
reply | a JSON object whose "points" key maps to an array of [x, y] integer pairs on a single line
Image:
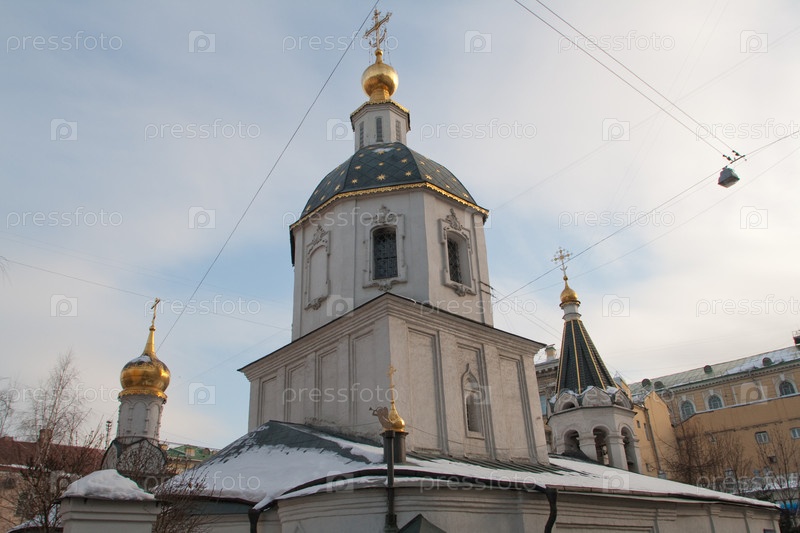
{"points": [[786, 388], [687, 409], [473, 399], [762, 437], [379, 129], [454, 260], [795, 433], [397, 130], [714, 402], [361, 135], [384, 252]]}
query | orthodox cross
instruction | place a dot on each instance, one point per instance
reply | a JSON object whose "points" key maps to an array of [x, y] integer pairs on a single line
{"points": [[380, 33], [562, 256], [154, 307], [390, 373]]}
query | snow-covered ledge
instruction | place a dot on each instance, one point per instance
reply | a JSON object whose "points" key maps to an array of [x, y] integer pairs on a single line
{"points": [[105, 501]]}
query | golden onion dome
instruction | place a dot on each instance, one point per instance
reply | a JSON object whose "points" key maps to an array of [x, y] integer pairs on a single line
{"points": [[379, 80], [568, 295], [146, 374], [397, 422]]}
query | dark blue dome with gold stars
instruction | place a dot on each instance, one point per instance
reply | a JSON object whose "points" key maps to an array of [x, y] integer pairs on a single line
{"points": [[387, 167]]}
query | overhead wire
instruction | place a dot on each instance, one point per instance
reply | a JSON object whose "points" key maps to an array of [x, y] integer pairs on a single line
{"points": [[626, 82], [646, 214], [673, 104], [272, 169]]}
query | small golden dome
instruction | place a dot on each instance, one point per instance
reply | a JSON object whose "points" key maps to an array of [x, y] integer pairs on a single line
{"points": [[568, 295], [379, 80], [398, 424], [146, 374]]}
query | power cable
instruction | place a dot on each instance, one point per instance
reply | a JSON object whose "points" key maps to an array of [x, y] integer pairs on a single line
{"points": [[626, 82], [271, 170]]}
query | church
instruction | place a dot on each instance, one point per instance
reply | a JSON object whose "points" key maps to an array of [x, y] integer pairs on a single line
{"points": [[397, 405]]}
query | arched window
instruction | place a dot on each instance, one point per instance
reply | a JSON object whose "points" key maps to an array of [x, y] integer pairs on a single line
{"points": [[454, 259], [384, 253], [601, 447], [786, 388], [687, 409], [473, 399], [379, 129], [361, 135], [397, 130], [714, 402], [629, 444], [571, 443]]}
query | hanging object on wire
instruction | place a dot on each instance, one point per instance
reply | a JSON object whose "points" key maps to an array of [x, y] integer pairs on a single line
{"points": [[727, 177]]}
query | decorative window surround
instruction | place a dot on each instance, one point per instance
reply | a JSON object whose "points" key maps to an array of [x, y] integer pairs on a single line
{"points": [[451, 228], [474, 399], [320, 240], [385, 218]]}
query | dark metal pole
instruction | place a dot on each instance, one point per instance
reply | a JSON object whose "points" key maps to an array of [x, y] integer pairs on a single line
{"points": [[390, 525]]}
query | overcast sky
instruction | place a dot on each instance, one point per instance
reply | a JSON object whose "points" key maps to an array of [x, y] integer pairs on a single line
{"points": [[134, 136]]}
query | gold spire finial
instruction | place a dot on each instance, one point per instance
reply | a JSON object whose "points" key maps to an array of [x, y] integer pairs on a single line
{"points": [[396, 421], [150, 346], [568, 295]]}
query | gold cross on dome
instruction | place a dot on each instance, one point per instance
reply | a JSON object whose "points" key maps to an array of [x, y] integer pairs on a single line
{"points": [[380, 33], [154, 307], [390, 373], [562, 256]]}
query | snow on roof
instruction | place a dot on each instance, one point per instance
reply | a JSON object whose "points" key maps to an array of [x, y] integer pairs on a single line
{"points": [[281, 461], [274, 458], [726, 368], [106, 485]]}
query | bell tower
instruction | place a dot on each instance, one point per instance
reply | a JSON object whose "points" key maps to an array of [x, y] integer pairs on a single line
{"points": [[144, 380], [591, 417]]}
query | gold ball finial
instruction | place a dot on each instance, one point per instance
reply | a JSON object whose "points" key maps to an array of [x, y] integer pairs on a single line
{"points": [[379, 79], [568, 295]]}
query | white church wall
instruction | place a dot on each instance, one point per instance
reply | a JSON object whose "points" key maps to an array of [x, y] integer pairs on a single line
{"points": [[332, 257], [344, 366]]}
